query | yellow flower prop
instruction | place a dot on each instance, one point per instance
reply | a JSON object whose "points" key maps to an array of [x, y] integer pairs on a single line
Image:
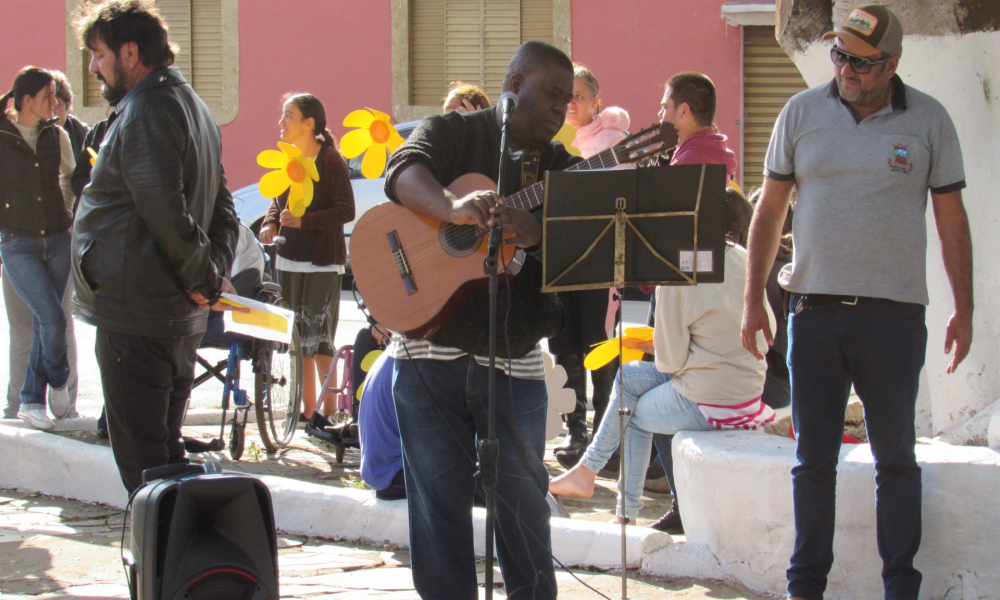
{"points": [[375, 134], [566, 135], [93, 156], [366, 365], [294, 170], [605, 352]]}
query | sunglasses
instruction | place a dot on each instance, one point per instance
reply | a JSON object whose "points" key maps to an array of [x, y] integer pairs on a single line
{"points": [[859, 64]]}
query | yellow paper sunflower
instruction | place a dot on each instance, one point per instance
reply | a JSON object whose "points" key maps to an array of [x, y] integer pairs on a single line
{"points": [[605, 352], [567, 135], [294, 170], [375, 134]]}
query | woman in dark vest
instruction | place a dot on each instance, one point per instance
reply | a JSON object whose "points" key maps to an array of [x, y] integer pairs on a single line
{"points": [[36, 164], [310, 263]]}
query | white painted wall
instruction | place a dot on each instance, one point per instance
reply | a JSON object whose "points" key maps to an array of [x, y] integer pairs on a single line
{"points": [[963, 73], [736, 497]]}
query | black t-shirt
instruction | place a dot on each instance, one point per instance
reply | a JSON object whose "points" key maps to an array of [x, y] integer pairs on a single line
{"points": [[452, 145]]}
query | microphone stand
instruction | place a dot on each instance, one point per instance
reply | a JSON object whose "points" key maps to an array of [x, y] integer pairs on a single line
{"points": [[489, 449], [622, 413]]}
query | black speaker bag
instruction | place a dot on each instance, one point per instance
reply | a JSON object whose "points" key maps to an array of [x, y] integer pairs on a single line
{"points": [[204, 536]]}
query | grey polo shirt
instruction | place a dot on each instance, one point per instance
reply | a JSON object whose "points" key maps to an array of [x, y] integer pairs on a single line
{"points": [[860, 226]]}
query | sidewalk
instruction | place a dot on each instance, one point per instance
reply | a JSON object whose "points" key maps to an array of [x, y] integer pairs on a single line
{"points": [[55, 548]]}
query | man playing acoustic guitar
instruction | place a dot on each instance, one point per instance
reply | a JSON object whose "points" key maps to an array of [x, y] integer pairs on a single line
{"points": [[440, 384]]}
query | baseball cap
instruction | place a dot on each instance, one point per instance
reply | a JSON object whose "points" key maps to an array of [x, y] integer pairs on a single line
{"points": [[868, 29]]}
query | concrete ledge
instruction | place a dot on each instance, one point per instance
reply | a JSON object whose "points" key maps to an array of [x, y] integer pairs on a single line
{"points": [[77, 424], [65, 467], [195, 417], [61, 466], [735, 493]]}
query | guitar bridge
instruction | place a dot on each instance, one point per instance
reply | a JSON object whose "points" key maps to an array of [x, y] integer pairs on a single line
{"points": [[399, 257]]}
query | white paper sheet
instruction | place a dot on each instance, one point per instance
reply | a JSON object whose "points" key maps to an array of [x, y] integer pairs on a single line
{"points": [[264, 321]]}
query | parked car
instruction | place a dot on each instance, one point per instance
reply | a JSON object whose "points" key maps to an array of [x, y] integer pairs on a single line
{"points": [[251, 206]]}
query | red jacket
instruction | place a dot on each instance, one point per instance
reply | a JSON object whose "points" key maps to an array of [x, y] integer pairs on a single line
{"points": [[707, 147]]}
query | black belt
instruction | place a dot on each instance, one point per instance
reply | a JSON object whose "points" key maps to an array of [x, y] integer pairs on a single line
{"points": [[820, 300]]}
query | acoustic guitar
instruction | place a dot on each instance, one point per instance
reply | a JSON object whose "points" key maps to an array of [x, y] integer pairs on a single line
{"points": [[414, 271]]}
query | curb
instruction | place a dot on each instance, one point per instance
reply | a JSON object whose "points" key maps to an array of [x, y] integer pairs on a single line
{"points": [[196, 417], [61, 466]]}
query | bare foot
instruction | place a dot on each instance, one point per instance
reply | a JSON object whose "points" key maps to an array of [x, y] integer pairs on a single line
{"points": [[618, 520], [578, 482]]}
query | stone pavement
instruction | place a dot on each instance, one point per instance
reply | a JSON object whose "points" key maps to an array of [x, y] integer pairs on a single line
{"points": [[54, 548]]}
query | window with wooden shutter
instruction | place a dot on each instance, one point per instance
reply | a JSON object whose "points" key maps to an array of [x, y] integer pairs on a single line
{"points": [[770, 78], [536, 20], [206, 50], [470, 41], [207, 33], [427, 54]]}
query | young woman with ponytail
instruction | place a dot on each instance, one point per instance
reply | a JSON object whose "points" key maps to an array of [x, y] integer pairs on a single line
{"points": [[36, 164], [311, 260]]}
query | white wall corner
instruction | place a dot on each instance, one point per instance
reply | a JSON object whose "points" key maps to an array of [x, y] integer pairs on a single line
{"points": [[737, 14]]}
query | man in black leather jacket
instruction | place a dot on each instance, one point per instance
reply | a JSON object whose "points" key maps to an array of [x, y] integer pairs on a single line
{"points": [[154, 232]]}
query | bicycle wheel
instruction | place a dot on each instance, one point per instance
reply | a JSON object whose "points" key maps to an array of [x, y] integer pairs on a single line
{"points": [[278, 392]]}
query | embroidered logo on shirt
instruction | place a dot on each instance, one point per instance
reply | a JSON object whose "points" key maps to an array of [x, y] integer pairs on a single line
{"points": [[898, 162], [861, 21]]}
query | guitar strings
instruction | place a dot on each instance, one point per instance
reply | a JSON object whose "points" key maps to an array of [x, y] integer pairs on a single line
{"points": [[429, 249]]}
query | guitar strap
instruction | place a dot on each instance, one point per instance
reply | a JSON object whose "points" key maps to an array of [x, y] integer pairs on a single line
{"points": [[529, 168]]}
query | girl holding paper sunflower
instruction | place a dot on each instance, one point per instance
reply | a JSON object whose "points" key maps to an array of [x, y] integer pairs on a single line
{"points": [[310, 262]]}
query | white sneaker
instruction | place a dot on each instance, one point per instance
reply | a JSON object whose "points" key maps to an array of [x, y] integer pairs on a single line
{"points": [[37, 419], [59, 401]]}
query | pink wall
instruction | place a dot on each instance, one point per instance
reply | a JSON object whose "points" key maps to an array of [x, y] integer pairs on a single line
{"points": [[32, 32], [284, 48], [634, 46]]}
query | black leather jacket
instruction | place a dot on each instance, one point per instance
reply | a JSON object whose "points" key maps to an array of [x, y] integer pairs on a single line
{"points": [[157, 219]]}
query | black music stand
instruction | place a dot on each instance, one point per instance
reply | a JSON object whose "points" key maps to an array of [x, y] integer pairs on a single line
{"points": [[633, 227]]}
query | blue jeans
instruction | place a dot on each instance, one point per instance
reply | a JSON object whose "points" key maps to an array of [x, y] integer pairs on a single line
{"points": [[38, 268], [656, 408], [879, 347], [439, 435]]}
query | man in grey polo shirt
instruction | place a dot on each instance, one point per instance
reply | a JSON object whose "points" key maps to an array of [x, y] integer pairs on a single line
{"points": [[862, 151]]}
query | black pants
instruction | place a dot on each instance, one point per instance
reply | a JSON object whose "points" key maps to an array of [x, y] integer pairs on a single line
{"points": [[576, 379], [147, 383]]}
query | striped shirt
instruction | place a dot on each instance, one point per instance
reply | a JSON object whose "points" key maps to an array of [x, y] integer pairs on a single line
{"points": [[529, 366], [749, 415]]}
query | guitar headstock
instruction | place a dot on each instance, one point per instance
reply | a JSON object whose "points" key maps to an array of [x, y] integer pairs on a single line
{"points": [[655, 139]]}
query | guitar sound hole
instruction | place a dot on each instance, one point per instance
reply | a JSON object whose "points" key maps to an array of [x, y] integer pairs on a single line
{"points": [[460, 240]]}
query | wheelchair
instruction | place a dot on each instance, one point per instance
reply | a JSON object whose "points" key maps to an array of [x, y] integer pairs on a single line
{"points": [[277, 370], [316, 426]]}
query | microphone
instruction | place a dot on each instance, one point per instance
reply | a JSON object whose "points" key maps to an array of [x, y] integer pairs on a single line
{"points": [[508, 100]]}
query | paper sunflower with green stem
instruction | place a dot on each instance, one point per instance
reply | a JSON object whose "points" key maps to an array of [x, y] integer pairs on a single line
{"points": [[374, 135], [293, 171]]}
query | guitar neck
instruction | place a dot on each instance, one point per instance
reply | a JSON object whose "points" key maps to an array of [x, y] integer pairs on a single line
{"points": [[533, 196]]}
